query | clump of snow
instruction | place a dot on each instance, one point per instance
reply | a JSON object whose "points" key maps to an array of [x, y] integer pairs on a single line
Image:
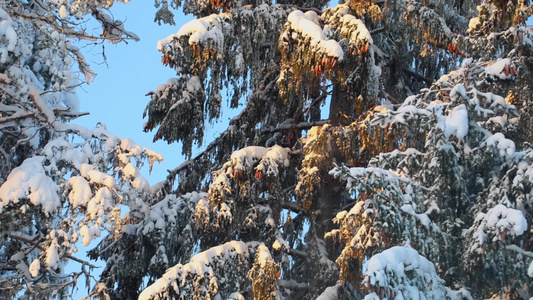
{"points": [[100, 203], [132, 174], [263, 255], [268, 160], [359, 34], [203, 31], [458, 90], [499, 220], [422, 218], [30, 181], [406, 112], [51, 256], [8, 33], [245, 157], [276, 245], [498, 69], [89, 233], [307, 25], [201, 213], [371, 174], [402, 272], [35, 267], [331, 292], [351, 28], [63, 14], [457, 122], [39, 103], [273, 157], [88, 171], [473, 24], [505, 146], [81, 191]]}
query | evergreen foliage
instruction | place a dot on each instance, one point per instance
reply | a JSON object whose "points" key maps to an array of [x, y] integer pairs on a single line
{"points": [[414, 182]]}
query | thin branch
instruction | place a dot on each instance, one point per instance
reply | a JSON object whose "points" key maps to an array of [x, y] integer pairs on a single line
{"points": [[6, 158], [15, 118], [519, 250], [387, 96], [52, 21], [418, 76], [292, 206], [217, 141], [34, 243], [377, 30], [299, 126], [293, 285], [298, 253], [7, 266], [66, 113]]}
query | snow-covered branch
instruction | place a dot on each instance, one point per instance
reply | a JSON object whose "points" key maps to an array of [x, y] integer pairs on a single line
{"points": [[36, 243], [291, 125]]}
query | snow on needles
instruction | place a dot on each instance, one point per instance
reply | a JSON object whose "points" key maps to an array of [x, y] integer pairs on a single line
{"points": [[505, 146], [200, 265], [406, 275], [245, 158], [29, 180], [499, 221], [497, 69], [307, 25], [8, 36], [200, 31], [457, 122]]}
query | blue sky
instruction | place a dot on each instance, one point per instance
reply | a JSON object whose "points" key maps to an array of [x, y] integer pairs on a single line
{"points": [[117, 95]]}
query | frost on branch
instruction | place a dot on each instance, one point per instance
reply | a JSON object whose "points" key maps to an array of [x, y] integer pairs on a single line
{"points": [[401, 273]]}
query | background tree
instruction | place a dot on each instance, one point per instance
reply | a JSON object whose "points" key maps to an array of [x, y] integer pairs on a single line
{"points": [[60, 183]]}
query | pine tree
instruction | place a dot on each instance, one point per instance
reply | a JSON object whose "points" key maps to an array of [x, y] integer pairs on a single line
{"points": [[382, 151]]}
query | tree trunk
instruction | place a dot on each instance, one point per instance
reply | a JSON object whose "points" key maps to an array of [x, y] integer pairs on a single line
{"points": [[341, 106]]}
